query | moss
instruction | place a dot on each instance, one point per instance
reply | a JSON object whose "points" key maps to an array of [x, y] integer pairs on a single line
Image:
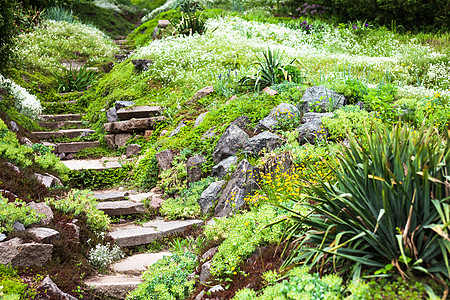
{"points": [[111, 22]]}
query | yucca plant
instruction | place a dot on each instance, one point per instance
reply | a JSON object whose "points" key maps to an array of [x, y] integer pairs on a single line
{"points": [[388, 210], [76, 80], [191, 23]]}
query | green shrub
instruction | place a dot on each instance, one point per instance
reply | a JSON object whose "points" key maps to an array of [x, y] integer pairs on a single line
{"points": [[186, 206], [11, 149], [11, 286], [76, 80], [82, 203], [94, 179], [192, 24], [16, 211], [382, 213], [167, 279], [147, 173], [58, 13], [7, 33]]}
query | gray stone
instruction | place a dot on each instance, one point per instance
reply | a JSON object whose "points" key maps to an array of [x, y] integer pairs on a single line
{"points": [[43, 235], [2, 237], [265, 140], [243, 122], [111, 115], [163, 23], [165, 159], [242, 183], [155, 33], [268, 123], [137, 264], [210, 196], [200, 119], [163, 133], [282, 111], [26, 141], [91, 164], [201, 94], [18, 226], [121, 104], [110, 141], [63, 117], [215, 289], [222, 168], [312, 116], [145, 111], [205, 273], [322, 99], [10, 165], [115, 286], [133, 125], [281, 163], [110, 196], [121, 208], [133, 149], [42, 208], [177, 130], [194, 168], [310, 132], [121, 139], [229, 143], [141, 64], [20, 254], [200, 295], [267, 90], [209, 134], [210, 253], [14, 126], [48, 180], [51, 289], [74, 147]]}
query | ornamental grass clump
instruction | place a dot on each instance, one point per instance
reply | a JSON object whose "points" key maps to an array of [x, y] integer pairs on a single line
{"points": [[388, 212]]}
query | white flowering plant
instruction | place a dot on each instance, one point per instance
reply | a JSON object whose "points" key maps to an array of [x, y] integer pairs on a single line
{"points": [[101, 256]]}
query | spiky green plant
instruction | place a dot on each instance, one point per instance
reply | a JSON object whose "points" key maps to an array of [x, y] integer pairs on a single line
{"points": [[388, 210], [191, 24], [77, 80]]}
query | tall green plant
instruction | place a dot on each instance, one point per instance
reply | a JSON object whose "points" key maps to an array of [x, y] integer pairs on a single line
{"points": [[382, 214], [8, 30], [76, 79]]}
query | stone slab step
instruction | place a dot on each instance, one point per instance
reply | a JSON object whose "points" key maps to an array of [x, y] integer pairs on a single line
{"points": [[68, 133], [69, 102], [140, 197], [60, 124], [120, 37], [110, 196], [133, 125], [121, 208], [75, 147], [120, 56], [116, 286], [130, 235], [137, 264], [94, 164], [128, 113], [126, 47], [79, 93], [123, 41], [64, 117]]}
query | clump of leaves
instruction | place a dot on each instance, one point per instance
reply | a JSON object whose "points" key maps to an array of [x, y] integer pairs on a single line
{"points": [[76, 79], [11, 212]]}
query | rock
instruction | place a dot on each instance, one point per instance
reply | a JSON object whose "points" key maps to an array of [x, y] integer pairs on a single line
{"points": [[14, 127], [229, 143], [194, 167], [210, 196], [43, 235], [148, 135], [121, 104], [74, 147], [201, 94], [48, 180], [200, 295], [312, 116], [110, 196], [243, 122], [121, 139], [141, 64], [51, 289], [42, 208], [138, 263], [177, 130], [11, 166], [2, 237], [163, 133], [26, 141], [283, 110], [133, 149], [210, 253], [165, 159], [24, 255], [111, 115], [121, 208], [215, 289], [156, 201], [163, 23], [8, 194], [18, 226], [133, 125], [205, 273], [265, 140], [110, 141], [242, 183], [311, 131], [267, 90], [222, 168], [144, 111], [321, 99], [155, 34], [200, 119], [280, 164], [209, 134], [257, 254], [75, 228], [115, 286]]}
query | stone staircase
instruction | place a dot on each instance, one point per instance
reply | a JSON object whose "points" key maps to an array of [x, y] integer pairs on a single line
{"points": [[127, 47]]}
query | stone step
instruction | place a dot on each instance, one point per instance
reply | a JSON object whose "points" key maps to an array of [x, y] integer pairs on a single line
{"points": [[68, 133], [69, 102], [110, 196], [67, 93], [63, 117], [126, 47], [116, 286], [120, 56], [130, 235], [146, 111], [123, 41], [133, 125], [121, 208], [74, 147], [61, 124], [94, 164], [120, 37], [137, 264], [126, 51]]}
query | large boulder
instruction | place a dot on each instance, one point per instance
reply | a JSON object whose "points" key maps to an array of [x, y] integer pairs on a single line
{"points": [[48, 180], [201, 94], [265, 140], [111, 115], [194, 167], [243, 122], [321, 99], [311, 132], [20, 254], [44, 209], [133, 149], [43, 234], [210, 196], [165, 159], [177, 130], [52, 290], [282, 111], [233, 139], [200, 119], [222, 168], [242, 183]]}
